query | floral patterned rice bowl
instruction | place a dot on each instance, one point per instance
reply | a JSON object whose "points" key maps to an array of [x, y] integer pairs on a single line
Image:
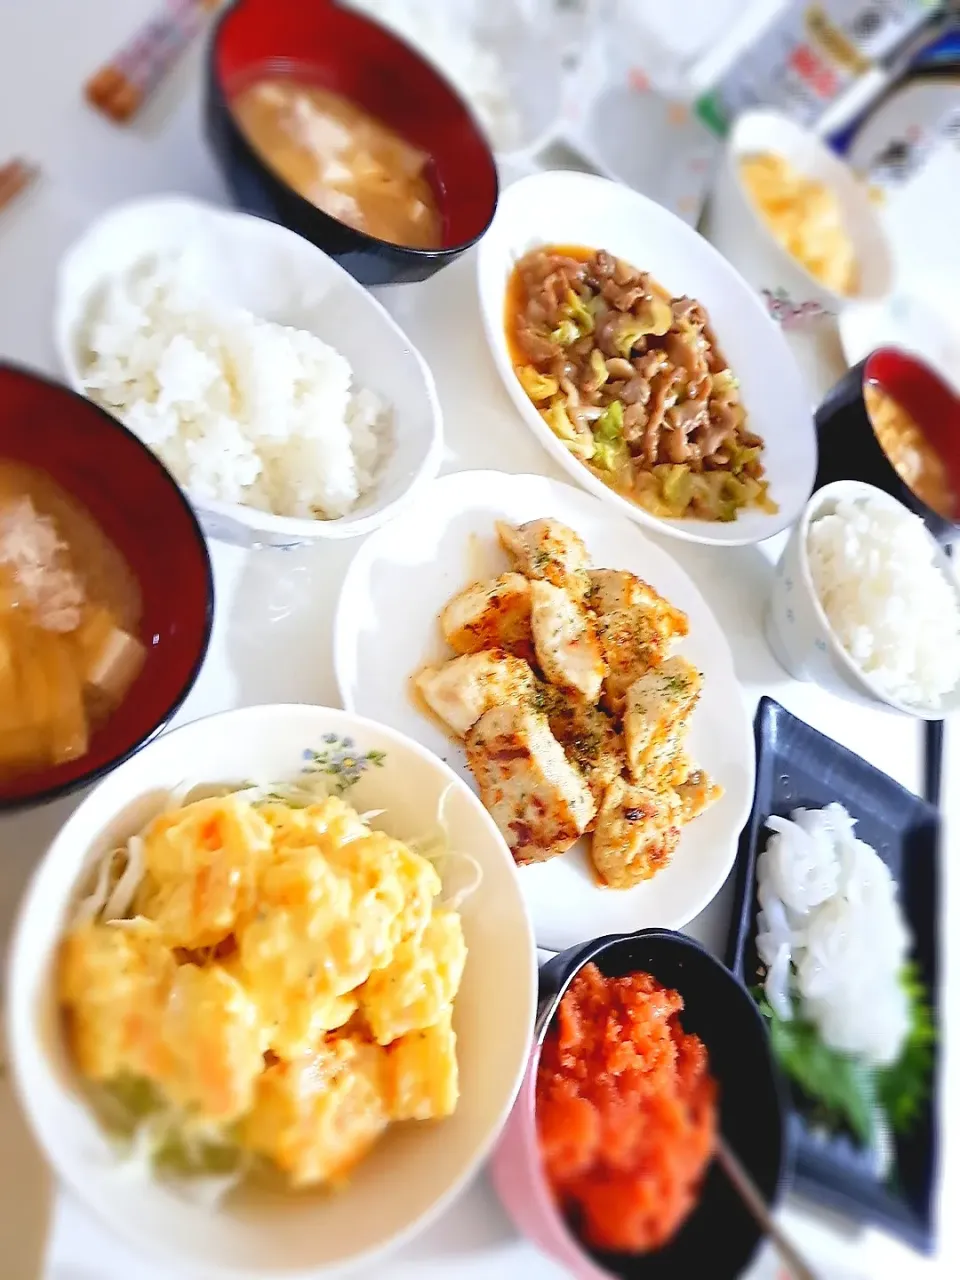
{"points": [[415, 1171]]}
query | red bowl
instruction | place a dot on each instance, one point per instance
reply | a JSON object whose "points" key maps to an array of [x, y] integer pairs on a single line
{"points": [[140, 507], [849, 448], [349, 54]]}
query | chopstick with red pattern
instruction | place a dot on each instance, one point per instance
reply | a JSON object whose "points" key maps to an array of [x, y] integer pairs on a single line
{"points": [[121, 87], [16, 176]]}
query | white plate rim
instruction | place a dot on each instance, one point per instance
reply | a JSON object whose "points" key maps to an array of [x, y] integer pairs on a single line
{"points": [[740, 723]]}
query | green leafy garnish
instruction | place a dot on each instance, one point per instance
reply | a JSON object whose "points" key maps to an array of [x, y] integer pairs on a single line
{"points": [[843, 1089], [903, 1087], [847, 1093]]}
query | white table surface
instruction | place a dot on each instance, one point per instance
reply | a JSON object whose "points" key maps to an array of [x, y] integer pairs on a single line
{"points": [[272, 635]]}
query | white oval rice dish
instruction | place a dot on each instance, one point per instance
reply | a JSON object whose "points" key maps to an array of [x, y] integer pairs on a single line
{"points": [[283, 397]]}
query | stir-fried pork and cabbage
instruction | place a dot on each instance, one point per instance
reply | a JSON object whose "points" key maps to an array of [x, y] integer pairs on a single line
{"points": [[633, 383]]}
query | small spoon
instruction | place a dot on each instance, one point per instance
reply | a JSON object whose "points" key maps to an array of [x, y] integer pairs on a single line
{"points": [[752, 1198]]}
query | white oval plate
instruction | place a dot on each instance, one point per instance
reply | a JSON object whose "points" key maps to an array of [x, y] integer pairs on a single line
{"points": [[579, 208], [386, 629], [248, 262]]}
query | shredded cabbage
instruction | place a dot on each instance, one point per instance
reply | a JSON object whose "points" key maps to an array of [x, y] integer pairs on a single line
{"points": [[90, 907], [118, 905], [436, 848], [201, 1162]]}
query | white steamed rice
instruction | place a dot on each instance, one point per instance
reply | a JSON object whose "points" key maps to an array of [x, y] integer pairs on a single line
{"points": [[831, 934], [240, 409], [890, 605]]}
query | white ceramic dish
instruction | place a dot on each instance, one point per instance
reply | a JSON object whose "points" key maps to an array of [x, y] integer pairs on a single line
{"points": [[386, 629], [798, 630], [578, 208], [416, 1170], [279, 276], [791, 294], [520, 34], [522, 38]]}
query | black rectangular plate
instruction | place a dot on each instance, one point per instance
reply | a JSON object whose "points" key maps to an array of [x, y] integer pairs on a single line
{"points": [[800, 768]]}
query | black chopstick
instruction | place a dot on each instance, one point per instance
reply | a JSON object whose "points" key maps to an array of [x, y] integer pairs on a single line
{"points": [[933, 762]]}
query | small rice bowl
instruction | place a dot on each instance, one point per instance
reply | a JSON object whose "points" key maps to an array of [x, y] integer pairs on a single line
{"points": [[241, 410], [889, 604]]}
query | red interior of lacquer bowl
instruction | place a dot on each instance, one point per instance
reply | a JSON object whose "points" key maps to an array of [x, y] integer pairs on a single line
{"points": [[143, 512], [932, 404], [349, 55]]}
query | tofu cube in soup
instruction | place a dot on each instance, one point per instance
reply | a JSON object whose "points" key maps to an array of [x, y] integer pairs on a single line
{"points": [[548, 550], [637, 831], [461, 690], [537, 798], [658, 706], [490, 615], [566, 642], [111, 657]]}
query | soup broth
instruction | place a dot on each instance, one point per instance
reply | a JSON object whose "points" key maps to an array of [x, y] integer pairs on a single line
{"points": [[910, 453], [343, 160], [69, 609]]}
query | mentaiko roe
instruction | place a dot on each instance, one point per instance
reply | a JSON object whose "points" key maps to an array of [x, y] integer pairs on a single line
{"points": [[626, 1111]]}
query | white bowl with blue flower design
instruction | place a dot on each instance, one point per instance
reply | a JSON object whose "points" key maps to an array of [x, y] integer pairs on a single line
{"points": [[260, 1234]]}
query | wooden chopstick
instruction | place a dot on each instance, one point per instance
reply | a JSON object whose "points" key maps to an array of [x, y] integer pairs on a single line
{"points": [[122, 86], [16, 176], [752, 1198]]}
